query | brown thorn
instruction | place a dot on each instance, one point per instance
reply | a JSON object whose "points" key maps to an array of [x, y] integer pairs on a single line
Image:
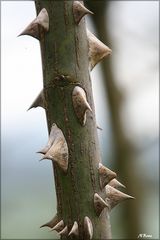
{"points": [[114, 196], [106, 175], [80, 104], [88, 228], [99, 204], [51, 223], [79, 11]]}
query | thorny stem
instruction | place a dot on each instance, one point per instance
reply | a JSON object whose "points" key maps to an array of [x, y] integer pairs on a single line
{"points": [[65, 52], [86, 190]]}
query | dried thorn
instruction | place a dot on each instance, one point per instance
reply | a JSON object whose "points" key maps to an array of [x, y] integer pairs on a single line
{"points": [[33, 29], [51, 223], [88, 228], [80, 104], [99, 128], [115, 196], [43, 19], [106, 175], [64, 231], [59, 226], [74, 230], [52, 137], [79, 11], [116, 184], [99, 204], [44, 150], [43, 158], [58, 149], [39, 101], [97, 50]]}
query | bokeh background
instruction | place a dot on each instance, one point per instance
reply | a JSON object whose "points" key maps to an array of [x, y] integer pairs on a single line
{"points": [[126, 95]]}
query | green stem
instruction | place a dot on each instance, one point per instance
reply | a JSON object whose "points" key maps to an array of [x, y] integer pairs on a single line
{"points": [[64, 51]]}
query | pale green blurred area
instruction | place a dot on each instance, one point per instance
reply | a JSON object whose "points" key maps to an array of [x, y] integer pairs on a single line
{"points": [[28, 197], [28, 193]]}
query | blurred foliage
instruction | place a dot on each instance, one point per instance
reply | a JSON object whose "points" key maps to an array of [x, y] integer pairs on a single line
{"points": [[128, 217]]}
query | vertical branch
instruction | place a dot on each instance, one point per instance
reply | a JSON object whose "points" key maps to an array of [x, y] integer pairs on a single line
{"points": [[84, 196]]}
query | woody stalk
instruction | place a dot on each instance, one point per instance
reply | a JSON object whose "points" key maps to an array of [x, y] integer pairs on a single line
{"points": [[86, 190]]}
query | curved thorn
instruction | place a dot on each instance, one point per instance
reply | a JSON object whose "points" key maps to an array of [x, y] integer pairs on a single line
{"points": [[52, 137], [43, 158], [115, 196], [99, 128], [88, 228], [57, 149], [44, 150], [43, 19], [58, 227], [33, 29], [99, 204], [74, 230], [80, 104], [97, 50], [51, 223], [64, 231], [38, 102], [79, 11], [116, 184], [106, 175]]}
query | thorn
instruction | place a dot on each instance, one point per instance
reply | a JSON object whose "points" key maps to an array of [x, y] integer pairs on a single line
{"points": [[106, 175], [74, 230], [57, 148], [41, 159], [58, 227], [99, 204], [99, 128], [38, 102], [44, 150], [88, 228], [32, 30], [80, 104], [64, 231], [42, 20], [116, 184], [51, 223], [115, 196], [97, 50], [52, 136], [79, 11]]}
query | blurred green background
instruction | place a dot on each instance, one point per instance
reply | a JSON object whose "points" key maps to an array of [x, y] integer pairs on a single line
{"points": [[126, 92]]}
